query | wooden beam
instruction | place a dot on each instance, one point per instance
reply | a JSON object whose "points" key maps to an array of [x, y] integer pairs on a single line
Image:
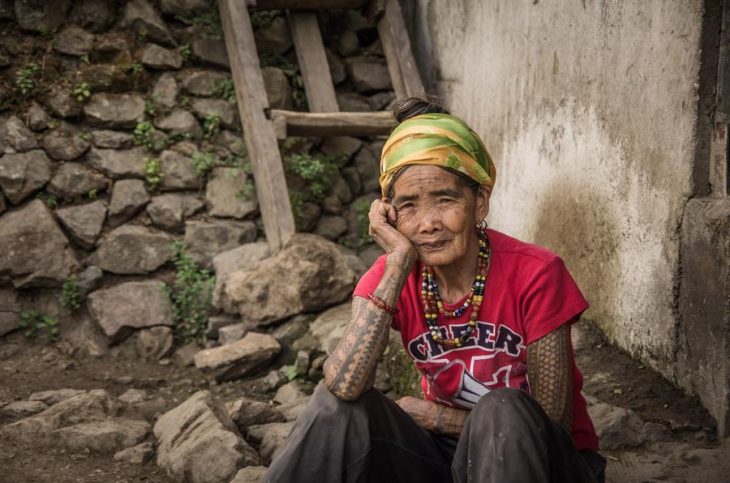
{"points": [[313, 62], [326, 124], [393, 22], [391, 58], [304, 4], [263, 148]]}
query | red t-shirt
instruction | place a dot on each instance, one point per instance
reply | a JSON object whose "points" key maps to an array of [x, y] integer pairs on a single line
{"points": [[528, 293]]}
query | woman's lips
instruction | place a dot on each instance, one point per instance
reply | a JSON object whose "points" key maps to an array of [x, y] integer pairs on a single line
{"points": [[435, 245]]}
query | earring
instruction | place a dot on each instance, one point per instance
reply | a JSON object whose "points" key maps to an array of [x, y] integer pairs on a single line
{"points": [[482, 225]]}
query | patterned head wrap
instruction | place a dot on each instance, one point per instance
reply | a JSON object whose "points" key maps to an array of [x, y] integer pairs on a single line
{"points": [[439, 140]]}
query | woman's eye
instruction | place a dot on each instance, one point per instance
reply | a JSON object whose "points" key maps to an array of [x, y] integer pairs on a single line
{"points": [[405, 206], [445, 200]]}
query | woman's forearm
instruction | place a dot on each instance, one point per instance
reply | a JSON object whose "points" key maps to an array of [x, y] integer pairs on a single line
{"points": [[434, 416], [349, 370]]}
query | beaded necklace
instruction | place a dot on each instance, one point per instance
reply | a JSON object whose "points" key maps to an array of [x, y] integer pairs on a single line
{"points": [[433, 305]]}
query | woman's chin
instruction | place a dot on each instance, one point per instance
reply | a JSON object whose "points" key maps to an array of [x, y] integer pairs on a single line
{"points": [[436, 258]]}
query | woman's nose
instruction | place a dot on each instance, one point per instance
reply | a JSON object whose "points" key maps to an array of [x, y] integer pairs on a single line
{"points": [[430, 220]]}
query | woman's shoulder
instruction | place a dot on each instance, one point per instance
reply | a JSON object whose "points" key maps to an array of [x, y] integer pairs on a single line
{"points": [[507, 246]]}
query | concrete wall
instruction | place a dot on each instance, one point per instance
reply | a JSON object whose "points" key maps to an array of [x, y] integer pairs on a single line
{"points": [[590, 109]]}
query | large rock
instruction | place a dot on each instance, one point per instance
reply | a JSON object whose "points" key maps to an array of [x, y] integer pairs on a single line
{"points": [[133, 249], [107, 436], [231, 261], [179, 121], [22, 409], [136, 455], [198, 442], [129, 196], [95, 405], [41, 16], [210, 51], [15, 137], [206, 239], [75, 180], [330, 325], [250, 474], [9, 311], [331, 227], [225, 194], [35, 252], [369, 76], [24, 173], [154, 343], [308, 275], [341, 146], [105, 138], [65, 143], [271, 437], [183, 7], [62, 103], [203, 82], [246, 412], [178, 172], [74, 40], [209, 107], [157, 57], [278, 90], [37, 117], [166, 90], [616, 427], [169, 211], [123, 163], [93, 15], [84, 222], [115, 110], [131, 305], [55, 396], [240, 358], [141, 16], [276, 37]]}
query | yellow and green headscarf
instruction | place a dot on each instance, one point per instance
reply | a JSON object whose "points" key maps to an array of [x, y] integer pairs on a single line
{"points": [[439, 140]]}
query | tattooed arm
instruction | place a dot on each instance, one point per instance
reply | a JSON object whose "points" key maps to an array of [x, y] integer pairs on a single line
{"points": [[433, 416], [350, 369], [549, 372]]}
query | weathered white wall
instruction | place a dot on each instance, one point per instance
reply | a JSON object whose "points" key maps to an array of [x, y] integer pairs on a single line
{"points": [[589, 109]]}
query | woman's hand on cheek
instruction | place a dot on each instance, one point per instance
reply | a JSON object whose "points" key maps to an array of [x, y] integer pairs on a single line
{"points": [[383, 217]]}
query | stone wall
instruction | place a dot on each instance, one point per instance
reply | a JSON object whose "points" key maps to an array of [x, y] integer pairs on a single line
{"points": [[119, 134], [596, 113]]}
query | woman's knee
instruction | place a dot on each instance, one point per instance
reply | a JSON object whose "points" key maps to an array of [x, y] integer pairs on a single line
{"points": [[504, 407]]}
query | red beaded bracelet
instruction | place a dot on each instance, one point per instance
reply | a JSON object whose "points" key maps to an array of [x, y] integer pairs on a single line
{"points": [[382, 304]]}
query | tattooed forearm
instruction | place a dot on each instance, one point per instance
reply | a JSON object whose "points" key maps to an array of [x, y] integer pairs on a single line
{"points": [[549, 373], [449, 420], [349, 371]]}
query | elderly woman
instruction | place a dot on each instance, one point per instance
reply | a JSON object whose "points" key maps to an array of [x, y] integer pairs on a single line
{"points": [[486, 319]]}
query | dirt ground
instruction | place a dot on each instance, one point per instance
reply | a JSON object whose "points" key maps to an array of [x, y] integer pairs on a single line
{"points": [[688, 452]]}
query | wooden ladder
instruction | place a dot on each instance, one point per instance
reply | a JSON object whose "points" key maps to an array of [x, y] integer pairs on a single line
{"points": [[262, 126]]}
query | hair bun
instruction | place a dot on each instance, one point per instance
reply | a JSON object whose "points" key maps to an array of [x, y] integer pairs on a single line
{"points": [[406, 107]]}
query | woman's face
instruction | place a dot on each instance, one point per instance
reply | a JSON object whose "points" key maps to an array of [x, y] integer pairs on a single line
{"points": [[437, 213]]}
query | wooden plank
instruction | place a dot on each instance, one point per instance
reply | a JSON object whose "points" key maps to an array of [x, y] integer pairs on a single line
{"points": [[304, 4], [391, 57], [393, 22], [263, 149], [313, 62], [325, 124]]}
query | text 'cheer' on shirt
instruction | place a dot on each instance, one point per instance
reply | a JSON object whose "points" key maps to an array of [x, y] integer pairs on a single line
{"points": [[528, 293]]}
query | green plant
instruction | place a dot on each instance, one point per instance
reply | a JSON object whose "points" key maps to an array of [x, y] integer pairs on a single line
{"points": [[92, 194], [204, 161], [34, 323], [317, 171], [209, 22], [50, 200], [185, 51], [150, 108], [82, 91], [190, 295], [153, 173], [246, 192], [225, 89], [26, 78], [263, 18], [361, 209], [70, 296], [144, 135], [185, 101], [136, 68], [211, 125], [85, 59]]}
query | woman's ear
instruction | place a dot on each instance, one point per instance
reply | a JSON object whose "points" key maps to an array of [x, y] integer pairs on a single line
{"points": [[482, 202]]}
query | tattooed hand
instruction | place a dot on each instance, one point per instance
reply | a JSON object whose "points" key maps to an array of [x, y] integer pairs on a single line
{"points": [[383, 220], [433, 416]]}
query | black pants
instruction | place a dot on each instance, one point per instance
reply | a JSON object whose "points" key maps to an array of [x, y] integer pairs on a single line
{"points": [[507, 438]]}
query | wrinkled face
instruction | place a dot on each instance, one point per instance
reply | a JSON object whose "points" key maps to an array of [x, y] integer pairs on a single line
{"points": [[437, 213]]}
